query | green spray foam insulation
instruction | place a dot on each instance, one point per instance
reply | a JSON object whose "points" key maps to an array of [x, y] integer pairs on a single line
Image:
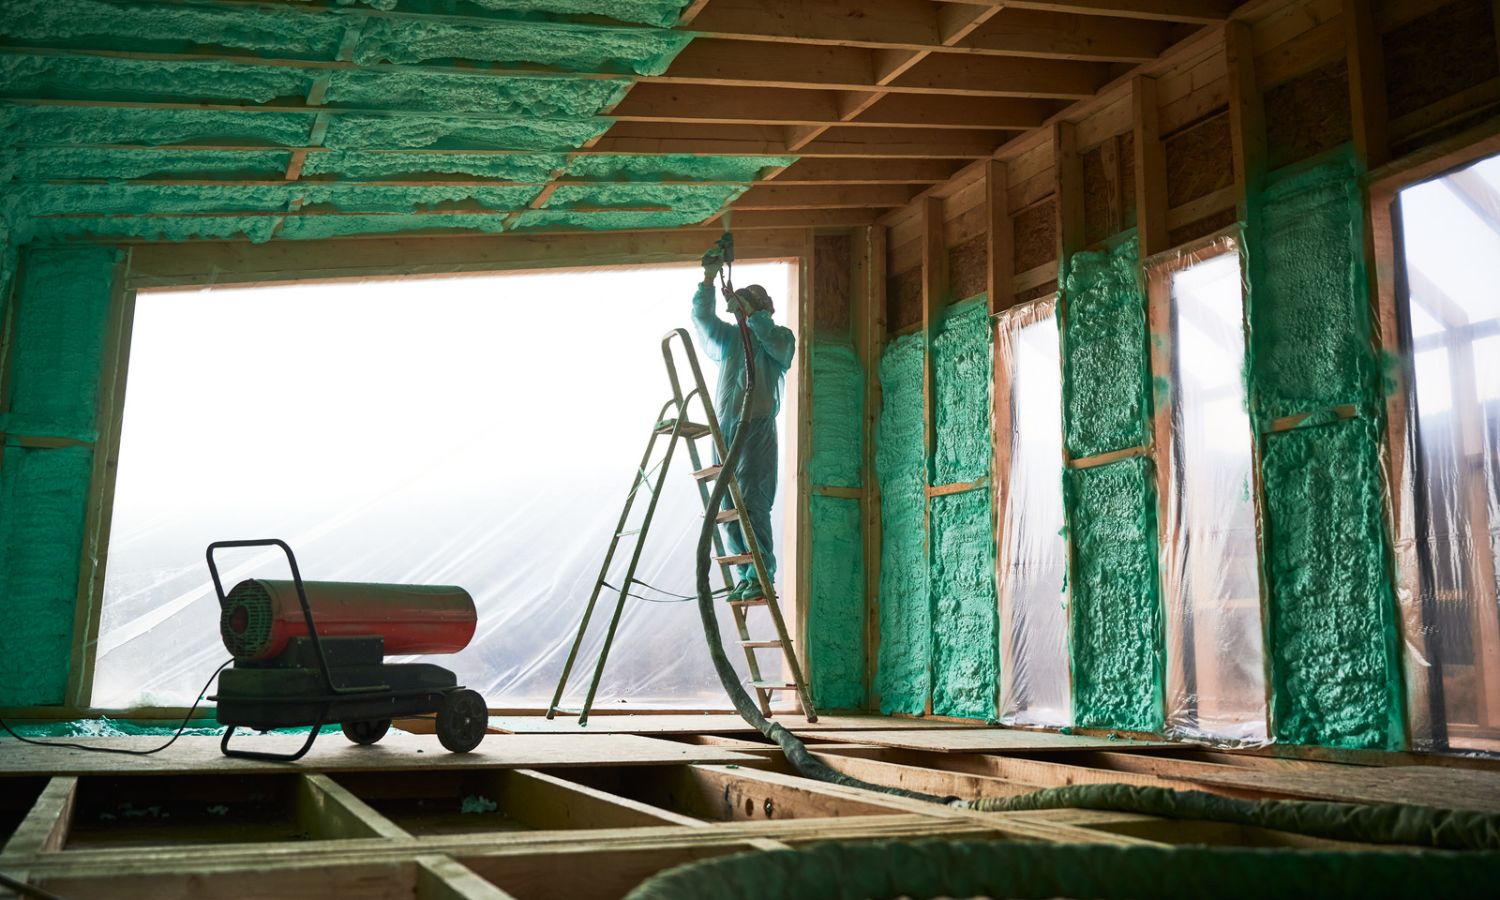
{"points": [[1115, 640], [1336, 677], [836, 611], [61, 307], [609, 220], [1106, 373], [59, 163], [105, 199], [355, 165], [673, 167], [838, 403], [22, 126], [661, 13], [541, 98], [965, 612], [1309, 312], [361, 132], [630, 51], [901, 467], [962, 363], [703, 199], [293, 34]]}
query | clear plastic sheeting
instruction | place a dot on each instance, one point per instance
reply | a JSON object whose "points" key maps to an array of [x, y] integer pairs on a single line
{"points": [[1033, 550], [1450, 237], [475, 431], [1209, 564]]}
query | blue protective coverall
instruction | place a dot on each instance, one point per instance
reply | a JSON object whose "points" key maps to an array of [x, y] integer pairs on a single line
{"points": [[756, 468]]}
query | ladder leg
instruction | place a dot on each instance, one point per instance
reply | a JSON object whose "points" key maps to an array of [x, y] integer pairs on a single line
{"points": [[614, 542]]}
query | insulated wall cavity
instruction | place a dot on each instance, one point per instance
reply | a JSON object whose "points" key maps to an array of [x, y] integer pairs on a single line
{"points": [[836, 611], [1106, 405], [1116, 641], [59, 317], [962, 368], [900, 461], [1333, 627], [965, 676]]}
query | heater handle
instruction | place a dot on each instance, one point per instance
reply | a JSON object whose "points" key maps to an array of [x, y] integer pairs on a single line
{"points": [[307, 616]]}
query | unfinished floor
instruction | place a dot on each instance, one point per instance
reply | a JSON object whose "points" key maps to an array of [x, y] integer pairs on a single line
{"points": [[539, 814]]}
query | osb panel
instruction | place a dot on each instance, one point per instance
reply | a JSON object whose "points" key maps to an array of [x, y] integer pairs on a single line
{"points": [[1204, 226], [1103, 190], [831, 284], [1036, 235], [1440, 54], [1036, 293], [968, 268], [1200, 160], [903, 299], [1308, 115]]}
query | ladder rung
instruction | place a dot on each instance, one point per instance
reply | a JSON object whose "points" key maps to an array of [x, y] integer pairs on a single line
{"points": [[732, 514], [688, 429], [566, 712], [709, 473], [760, 645], [757, 601], [772, 686], [736, 559]]}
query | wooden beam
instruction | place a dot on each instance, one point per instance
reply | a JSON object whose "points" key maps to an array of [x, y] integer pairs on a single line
{"points": [[329, 811], [1046, 79], [779, 196], [546, 802], [1202, 12], [1247, 126], [999, 233], [45, 828], [1367, 94], [1150, 168], [868, 321], [443, 878], [1067, 191]]}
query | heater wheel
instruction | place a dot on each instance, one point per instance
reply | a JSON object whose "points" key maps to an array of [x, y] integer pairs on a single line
{"points": [[368, 731], [462, 720]]}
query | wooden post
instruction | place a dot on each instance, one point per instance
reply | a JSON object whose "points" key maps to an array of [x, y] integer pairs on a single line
{"points": [[934, 297], [1247, 125], [108, 414], [1000, 281], [799, 443], [1067, 174], [1150, 168], [1370, 116], [868, 327]]}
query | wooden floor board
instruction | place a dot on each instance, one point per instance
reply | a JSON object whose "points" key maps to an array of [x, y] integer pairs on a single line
{"points": [[333, 754], [689, 723], [990, 740]]}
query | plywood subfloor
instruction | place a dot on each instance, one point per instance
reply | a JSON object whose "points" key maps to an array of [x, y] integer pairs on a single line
{"points": [[987, 740], [689, 723], [332, 753]]}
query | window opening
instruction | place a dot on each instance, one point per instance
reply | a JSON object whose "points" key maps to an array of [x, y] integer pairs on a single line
{"points": [[479, 431]]}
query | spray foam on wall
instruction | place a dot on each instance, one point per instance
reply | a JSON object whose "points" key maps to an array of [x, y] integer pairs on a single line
{"points": [[1334, 631], [836, 613], [900, 463], [965, 623], [1105, 372]]}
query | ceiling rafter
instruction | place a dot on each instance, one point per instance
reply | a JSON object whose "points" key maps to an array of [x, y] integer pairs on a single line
{"points": [[1198, 12]]}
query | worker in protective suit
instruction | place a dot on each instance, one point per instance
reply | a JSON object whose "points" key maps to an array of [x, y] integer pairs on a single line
{"points": [[756, 468]]}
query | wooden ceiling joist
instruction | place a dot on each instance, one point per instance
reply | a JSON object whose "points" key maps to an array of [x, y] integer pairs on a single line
{"points": [[1200, 12], [651, 102]]}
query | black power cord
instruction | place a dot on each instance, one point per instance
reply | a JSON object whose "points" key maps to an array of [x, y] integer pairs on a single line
{"points": [[180, 728]]}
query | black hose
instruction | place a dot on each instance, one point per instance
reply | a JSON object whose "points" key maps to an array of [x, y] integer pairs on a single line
{"points": [[795, 751]]}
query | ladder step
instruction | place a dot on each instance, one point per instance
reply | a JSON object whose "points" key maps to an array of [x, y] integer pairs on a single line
{"points": [[709, 473], [688, 429], [760, 645], [773, 686], [758, 601], [566, 712], [728, 515], [737, 559]]}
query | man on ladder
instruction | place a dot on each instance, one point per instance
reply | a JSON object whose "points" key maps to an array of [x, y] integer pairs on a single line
{"points": [[774, 346]]}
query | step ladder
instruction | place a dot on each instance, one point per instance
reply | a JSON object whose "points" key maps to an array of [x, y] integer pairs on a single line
{"points": [[674, 424]]}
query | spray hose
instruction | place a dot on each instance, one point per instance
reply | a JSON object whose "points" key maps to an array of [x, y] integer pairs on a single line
{"points": [[795, 751]]}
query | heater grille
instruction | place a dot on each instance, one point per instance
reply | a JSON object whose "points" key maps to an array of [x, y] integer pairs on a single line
{"points": [[245, 619]]}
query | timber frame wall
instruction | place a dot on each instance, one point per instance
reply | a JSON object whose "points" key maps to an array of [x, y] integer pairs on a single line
{"points": [[1173, 152]]}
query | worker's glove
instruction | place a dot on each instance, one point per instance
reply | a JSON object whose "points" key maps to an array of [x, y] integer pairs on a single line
{"points": [[737, 305], [712, 261]]}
